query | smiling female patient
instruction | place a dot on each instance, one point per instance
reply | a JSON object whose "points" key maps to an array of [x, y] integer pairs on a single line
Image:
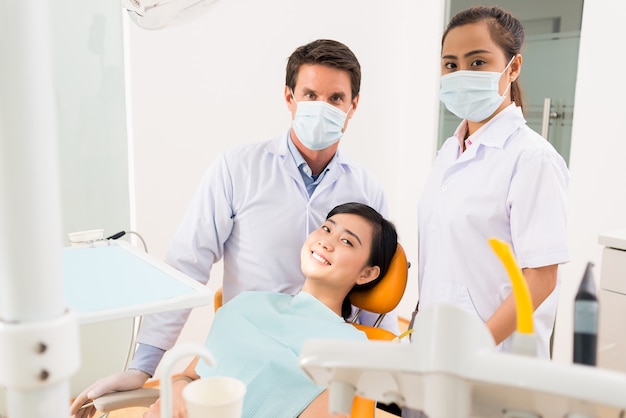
{"points": [[257, 336]]}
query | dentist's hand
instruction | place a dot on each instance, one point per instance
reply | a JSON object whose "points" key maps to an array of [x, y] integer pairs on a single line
{"points": [[126, 380]]}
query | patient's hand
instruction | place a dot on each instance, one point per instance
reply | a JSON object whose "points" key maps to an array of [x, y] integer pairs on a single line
{"points": [[126, 380], [179, 407]]}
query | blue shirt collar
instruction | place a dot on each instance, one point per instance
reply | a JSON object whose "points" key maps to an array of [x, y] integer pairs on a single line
{"points": [[310, 181]]}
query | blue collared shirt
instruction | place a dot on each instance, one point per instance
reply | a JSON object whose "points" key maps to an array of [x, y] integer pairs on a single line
{"points": [[310, 181]]}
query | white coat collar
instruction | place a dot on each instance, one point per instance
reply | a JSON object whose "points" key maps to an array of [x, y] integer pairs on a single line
{"points": [[280, 147], [498, 130]]}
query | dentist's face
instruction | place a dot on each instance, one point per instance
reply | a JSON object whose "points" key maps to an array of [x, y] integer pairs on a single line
{"points": [[337, 253], [321, 82]]}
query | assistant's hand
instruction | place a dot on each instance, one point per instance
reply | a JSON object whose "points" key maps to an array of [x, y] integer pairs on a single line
{"points": [[179, 408], [126, 380]]}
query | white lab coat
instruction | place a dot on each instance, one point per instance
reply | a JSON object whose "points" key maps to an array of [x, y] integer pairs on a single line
{"points": [[252, 208], [511, 184]]}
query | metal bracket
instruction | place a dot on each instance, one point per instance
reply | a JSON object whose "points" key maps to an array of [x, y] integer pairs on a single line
{"points": [[35, 354]]}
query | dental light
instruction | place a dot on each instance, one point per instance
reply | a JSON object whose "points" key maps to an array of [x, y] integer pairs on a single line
{"points": [[156, 14]]}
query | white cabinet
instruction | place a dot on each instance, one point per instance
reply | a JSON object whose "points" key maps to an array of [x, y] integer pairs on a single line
{"points": [[612, 297]]}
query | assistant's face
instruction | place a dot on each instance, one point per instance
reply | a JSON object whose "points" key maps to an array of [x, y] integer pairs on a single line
{"points": [[338, 251], [470, 47]]}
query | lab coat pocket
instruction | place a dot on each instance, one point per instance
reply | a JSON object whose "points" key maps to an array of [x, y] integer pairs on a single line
{"points": [[458, 295]]}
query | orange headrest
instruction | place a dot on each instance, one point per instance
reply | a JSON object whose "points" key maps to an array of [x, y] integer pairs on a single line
{"points": [[386, 295], [217, 299]]}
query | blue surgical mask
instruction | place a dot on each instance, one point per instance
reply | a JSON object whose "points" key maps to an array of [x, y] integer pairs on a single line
{"points": [[472, 95], [317, 124]]}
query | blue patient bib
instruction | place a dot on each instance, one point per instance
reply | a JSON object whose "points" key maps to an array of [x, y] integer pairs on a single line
{"points": [[257, 337]]}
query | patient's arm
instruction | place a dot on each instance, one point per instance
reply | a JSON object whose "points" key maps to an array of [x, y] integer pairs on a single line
{"points": [[319, 408], [179, 407]]}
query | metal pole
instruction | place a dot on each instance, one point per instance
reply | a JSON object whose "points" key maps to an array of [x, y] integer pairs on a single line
{"points": [[545, 119], [38, 337]]}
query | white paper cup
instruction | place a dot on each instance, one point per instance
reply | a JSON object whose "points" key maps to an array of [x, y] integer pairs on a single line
{"points": [[85, 237], [215, 397]]}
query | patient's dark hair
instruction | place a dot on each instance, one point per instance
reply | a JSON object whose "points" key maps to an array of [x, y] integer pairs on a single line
{"points": [[384, 244]]}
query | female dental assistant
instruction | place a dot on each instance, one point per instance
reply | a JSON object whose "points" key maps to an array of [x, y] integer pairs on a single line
{"points": [[495, 177]]}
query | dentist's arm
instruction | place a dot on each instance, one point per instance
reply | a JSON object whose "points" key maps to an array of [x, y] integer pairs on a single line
{"points": [[126, 380]]}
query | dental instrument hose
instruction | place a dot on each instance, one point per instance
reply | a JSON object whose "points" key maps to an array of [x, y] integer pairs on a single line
{"points": [[524, 340], [122, 233], [137, 319]]}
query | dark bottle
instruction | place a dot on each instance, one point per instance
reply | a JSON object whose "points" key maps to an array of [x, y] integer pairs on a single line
{"points": [[586, 320]]}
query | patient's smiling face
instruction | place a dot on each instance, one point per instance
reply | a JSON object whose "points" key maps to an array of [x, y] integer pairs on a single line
{"points": [[337, 253]]}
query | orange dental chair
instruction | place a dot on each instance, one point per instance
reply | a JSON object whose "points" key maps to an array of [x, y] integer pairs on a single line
{"points": [[381, 299]]}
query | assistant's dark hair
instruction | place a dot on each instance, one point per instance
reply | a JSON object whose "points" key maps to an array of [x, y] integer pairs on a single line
{"points": [[384, 244], [505, 30], [325, 52]]}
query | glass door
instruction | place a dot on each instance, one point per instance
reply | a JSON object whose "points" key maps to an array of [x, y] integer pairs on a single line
{"points": [[550, 63]]}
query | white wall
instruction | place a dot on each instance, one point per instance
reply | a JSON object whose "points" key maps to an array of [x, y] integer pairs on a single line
{"points": [[598, 171], [202, 87], [217, 81]]}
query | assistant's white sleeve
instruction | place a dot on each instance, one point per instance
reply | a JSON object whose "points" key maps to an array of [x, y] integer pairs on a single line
{"points": [[197, 244], [538, 215]]}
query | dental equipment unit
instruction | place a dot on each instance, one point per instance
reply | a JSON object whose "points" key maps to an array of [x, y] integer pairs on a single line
{"points": [[452, 369]]}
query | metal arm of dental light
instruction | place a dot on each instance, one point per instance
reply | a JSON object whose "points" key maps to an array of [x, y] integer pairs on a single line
{"points": [[157, 14]]}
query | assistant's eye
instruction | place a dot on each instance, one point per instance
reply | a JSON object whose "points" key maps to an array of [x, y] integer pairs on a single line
{"points": [[477, 63], [449, 65]]}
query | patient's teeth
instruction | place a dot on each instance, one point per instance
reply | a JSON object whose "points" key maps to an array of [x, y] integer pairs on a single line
{"points": [[319, 258]]}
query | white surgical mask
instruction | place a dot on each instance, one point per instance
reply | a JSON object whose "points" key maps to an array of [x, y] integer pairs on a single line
{"points": [[472, 95], [317, 124]]}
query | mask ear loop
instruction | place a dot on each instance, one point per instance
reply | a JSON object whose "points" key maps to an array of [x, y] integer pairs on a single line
{"points": [[506, 90], [509, 64]]}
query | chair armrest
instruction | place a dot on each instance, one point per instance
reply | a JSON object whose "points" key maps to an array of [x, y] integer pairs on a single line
{"points": [[130, 398]]}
